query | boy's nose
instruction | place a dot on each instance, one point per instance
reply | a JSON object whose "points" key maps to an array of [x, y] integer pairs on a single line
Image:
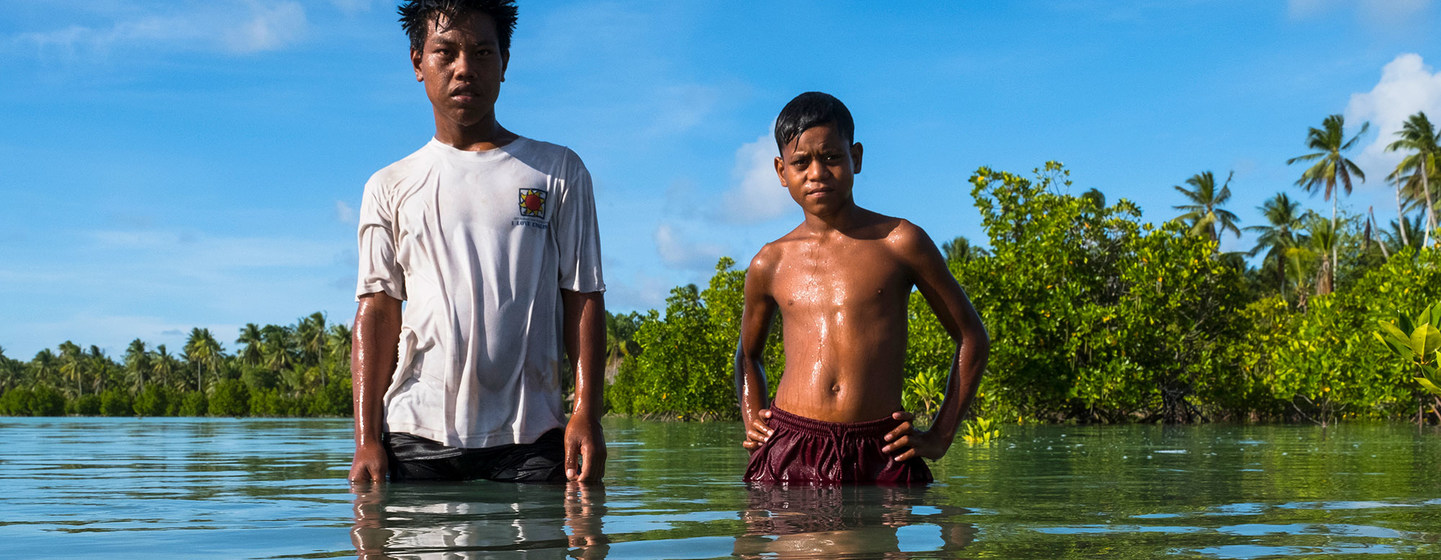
{"points": [[464, 66], [817, 171]]}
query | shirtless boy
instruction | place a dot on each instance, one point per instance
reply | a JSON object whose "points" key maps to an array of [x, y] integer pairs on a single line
{"points": [[841, 281]]}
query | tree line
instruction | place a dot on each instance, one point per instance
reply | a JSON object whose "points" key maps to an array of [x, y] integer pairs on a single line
{"points": [[1094, 316], [301, 369]]}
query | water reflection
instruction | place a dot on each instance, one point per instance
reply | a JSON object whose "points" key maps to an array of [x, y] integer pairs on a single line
{"points": [[475, 520], [849, 521], [490, 520]]}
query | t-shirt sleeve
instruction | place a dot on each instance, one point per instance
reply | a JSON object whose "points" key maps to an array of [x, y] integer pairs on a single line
{"points": [[379, 270], [577, 232]]}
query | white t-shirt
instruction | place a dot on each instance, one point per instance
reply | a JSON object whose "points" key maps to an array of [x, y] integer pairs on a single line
{"points": [[479, 245]]}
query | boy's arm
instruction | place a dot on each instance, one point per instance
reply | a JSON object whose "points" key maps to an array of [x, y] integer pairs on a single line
{"points": [[953, 309], [584, 330], [750, 374], [372, 357]]}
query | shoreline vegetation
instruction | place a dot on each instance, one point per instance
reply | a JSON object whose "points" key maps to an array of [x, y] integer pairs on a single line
{"points": [[1094, 317]]}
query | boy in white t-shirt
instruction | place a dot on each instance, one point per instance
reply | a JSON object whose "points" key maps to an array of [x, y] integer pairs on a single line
{"points": [[491, 240]]}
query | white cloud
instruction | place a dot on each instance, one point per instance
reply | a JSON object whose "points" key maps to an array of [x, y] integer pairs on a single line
{"points": [[237, 27], [1407, 85], [678, 252], [345, 213], [756, 194], [267, 28]]}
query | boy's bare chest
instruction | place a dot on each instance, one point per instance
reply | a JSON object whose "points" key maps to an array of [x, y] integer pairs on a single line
{"points": [[852, 276]]}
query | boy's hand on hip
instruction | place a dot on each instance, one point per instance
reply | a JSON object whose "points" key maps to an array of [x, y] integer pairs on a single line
{"points": [[584, 449], [905, 442], [757, 432]]}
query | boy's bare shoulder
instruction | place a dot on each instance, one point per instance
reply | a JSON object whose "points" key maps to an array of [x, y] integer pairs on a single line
{"points": [[909, 244], [772, 252], [906, 236]]}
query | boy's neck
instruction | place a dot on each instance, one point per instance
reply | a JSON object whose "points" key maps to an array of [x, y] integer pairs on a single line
{"points": [[479, 137], [841, 220]]}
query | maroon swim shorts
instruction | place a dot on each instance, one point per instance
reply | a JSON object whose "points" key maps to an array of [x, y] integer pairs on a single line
{"points": [[802, 450]]}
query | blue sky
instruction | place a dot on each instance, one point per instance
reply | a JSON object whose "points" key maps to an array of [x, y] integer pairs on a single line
{"points": [[170, 164]]}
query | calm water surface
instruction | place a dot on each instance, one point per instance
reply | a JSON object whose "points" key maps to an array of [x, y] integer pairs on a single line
{"points": [[215, 488]]}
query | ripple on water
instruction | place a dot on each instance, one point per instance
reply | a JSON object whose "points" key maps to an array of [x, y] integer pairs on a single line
{"points": [[220, 488]]}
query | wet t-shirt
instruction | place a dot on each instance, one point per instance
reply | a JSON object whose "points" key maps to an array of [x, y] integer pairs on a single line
{"points": [[479, 246]]}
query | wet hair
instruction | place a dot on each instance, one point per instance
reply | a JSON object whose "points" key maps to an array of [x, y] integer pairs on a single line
{"points": [[809, 110], [415, 16]]}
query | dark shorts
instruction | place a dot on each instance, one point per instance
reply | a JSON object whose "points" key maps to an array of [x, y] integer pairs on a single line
{"points": [[802, 450], [414, 458]]}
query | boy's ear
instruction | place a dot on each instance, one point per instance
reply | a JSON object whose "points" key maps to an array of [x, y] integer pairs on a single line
{"points": [[855, 157], [780, 165], [415, 64]]}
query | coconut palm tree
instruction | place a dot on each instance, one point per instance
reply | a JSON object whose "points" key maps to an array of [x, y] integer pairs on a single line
{"points": [[9, 372], [1330, 170], [1283, 220], [1395, 237], [1401, 200], [960, 250], [250, 342], [1418, 136], [1322, 240], [1204, 213], [43, 367], [204, 353], [338, 343], [137, 364], [277, 347], [165, 367], [99, 366], [310, 337], [72, 366]]}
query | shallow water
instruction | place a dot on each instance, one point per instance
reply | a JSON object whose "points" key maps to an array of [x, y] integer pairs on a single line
{"points": [[219, 488]]}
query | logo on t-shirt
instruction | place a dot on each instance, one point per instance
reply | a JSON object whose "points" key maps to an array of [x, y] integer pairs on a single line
{"points": [[532, 203]]}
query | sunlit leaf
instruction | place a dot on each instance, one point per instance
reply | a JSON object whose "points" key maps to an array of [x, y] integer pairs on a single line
{"points": [[1399, 342], [1428, 386], [1431, 316], [1425, 340]]}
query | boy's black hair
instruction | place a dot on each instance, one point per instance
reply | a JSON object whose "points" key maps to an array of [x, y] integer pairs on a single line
{"points": [[809, 110], [415, 16]]}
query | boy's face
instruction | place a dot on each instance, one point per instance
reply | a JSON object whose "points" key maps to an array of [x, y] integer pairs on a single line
{"points": [[818, 168], [462, 68]]}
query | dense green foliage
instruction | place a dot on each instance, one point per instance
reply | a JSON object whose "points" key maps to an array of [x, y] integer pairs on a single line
{"points": [[684, 366]]}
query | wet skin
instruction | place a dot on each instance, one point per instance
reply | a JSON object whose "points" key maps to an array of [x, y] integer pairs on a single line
{"points": [[841, 281], [462, 66]]}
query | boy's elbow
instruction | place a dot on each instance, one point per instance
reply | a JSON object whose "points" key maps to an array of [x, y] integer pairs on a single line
{"points": [[976, 341]]}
